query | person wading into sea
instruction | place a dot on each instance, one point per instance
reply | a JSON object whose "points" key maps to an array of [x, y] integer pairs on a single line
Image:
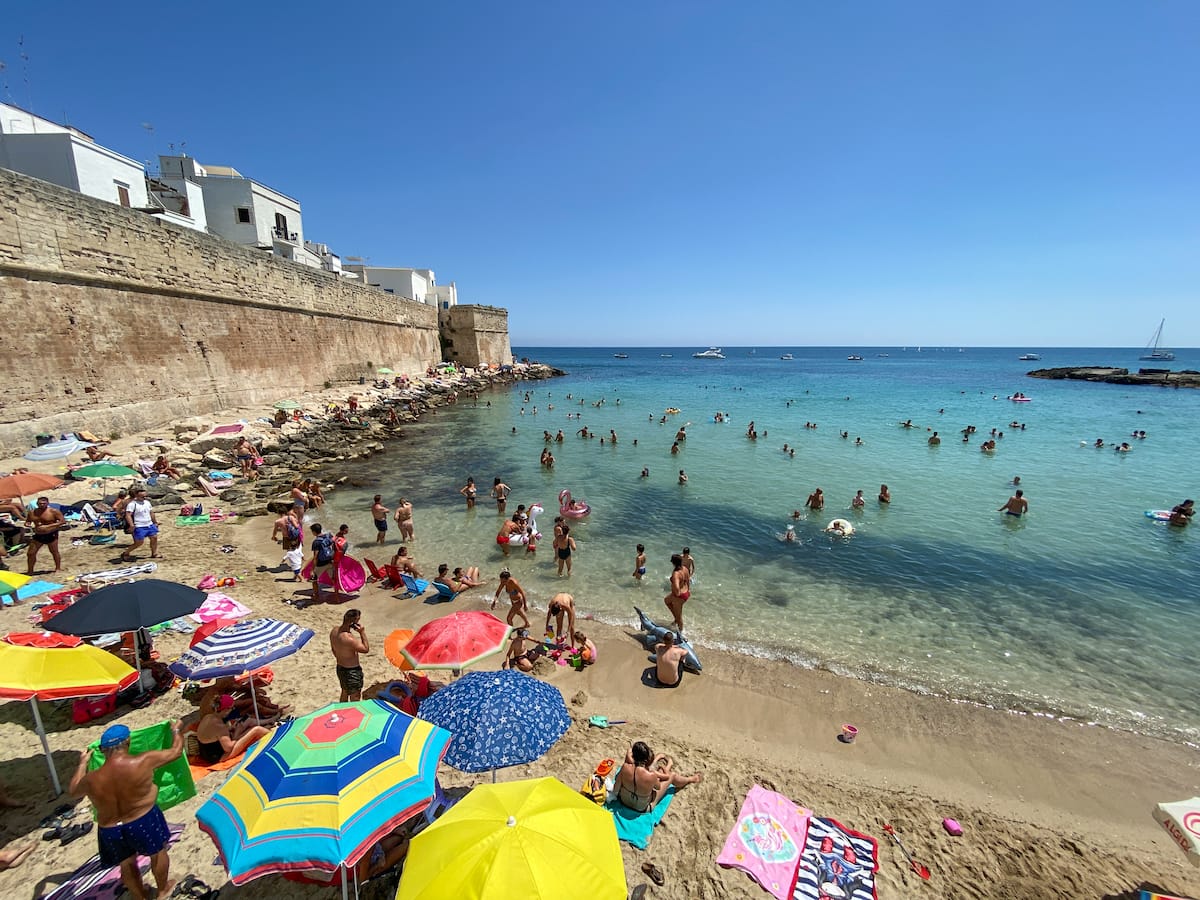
{"points": [[681, 590]]}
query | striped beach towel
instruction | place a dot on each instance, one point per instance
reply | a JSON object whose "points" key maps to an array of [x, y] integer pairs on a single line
{"points": [[841, 861], [94, 881]]}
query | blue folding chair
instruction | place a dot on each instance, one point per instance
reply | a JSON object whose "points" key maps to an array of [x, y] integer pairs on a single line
{"points": [[414, 587], [445, 593]]}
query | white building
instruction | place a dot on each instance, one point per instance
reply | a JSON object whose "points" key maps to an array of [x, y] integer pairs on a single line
{"points": [[243, 210], [66, 156], [415, 284]]}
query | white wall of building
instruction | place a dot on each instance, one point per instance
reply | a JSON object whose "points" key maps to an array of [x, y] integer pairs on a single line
{"points": [[66, 159], [100, 170], [222, 199]]}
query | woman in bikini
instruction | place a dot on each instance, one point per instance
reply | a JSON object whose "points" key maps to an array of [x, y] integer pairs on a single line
{"points": [[644, 777], [246, 453], [516, 597], [469, 491]]}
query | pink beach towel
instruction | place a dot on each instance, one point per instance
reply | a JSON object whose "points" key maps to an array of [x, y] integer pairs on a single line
{"points": [[235, 428], [219, 606], [766, 841]]}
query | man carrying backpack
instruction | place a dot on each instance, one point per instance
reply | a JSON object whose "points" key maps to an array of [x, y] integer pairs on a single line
{"points": [[323, 563]]}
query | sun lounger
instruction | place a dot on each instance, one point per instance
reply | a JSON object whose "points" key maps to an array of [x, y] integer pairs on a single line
{"points": [[413, 587], [445, 594]]}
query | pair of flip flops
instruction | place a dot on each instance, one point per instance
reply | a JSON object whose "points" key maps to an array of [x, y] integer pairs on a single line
{"points": [[65, 834], [191, 886], [61, 815], [654, 872]]}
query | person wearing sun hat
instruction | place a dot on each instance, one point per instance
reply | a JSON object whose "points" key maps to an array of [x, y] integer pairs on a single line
{"points": [[124, 794]]}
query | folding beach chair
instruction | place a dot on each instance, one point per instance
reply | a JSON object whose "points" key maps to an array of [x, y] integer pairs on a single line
{"points": [[414, 587], [445, 594], [392, 573], [376, 575]]}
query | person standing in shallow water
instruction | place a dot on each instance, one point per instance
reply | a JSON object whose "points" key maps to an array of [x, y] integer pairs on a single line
{"points": [[468, 490], [379, 513], [1016, 505], [500, 491], [681, 584], [815, 501]]}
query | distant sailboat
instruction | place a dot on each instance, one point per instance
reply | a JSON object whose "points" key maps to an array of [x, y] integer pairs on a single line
{"points": [[1153, 350]]}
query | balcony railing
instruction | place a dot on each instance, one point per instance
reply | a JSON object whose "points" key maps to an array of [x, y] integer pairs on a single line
{"points": [[281, 235]]}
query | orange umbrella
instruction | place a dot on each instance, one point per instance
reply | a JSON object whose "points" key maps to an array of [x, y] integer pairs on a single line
{"points": [[22, 483], [394, 643]]}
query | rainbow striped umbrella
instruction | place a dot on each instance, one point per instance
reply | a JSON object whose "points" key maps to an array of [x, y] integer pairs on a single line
{"points": [[321, 790]]}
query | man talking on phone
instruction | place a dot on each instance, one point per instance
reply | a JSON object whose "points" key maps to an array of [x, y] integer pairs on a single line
{"points": [[347, 641]]}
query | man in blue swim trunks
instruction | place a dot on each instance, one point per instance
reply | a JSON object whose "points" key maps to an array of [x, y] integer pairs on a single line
{"points": [[124, 794]]}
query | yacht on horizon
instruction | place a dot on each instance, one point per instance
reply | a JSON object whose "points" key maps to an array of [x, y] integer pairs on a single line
{"points": [[710, 353]]}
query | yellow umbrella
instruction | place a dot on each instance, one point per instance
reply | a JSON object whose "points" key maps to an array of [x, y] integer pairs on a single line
{"points": [[517, 839], [43, 673], [10, 581]]}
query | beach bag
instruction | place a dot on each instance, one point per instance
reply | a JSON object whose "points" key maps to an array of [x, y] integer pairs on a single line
{"points": [[186, 509], [593, 788], [257, 461], [207, 583], [323, 550], [85, 709]]}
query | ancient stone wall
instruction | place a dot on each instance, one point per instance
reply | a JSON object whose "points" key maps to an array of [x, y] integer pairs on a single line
{"points": [[476, 335], [115, 320]]}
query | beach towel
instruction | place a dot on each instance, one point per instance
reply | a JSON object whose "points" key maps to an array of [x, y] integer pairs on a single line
{"points": [[766, 840], [34, 589], [118, 574], [203, 770], [637, 828], [94, 881], [219, 606], [234, 428], [192, 520], [835, 860]]}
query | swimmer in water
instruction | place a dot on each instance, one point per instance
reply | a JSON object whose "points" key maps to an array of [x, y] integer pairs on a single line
{"points": [[639, 564], [1016, 505]]}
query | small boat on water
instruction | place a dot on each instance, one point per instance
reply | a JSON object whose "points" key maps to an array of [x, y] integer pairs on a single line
{"points": [[1154, 350], [787, 356], [710, 353], [854, 357], [665, 355], [1028, 357], [620, 356]]}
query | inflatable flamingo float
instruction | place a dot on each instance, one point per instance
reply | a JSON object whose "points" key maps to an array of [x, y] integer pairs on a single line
{"points": [[570, 507]]}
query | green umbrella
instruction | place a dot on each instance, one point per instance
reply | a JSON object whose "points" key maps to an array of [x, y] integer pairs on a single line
{"points": [[384, 371], [286, 404], [103, 470]]}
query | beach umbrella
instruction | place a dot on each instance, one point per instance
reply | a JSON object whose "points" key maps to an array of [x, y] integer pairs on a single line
{"points": [[57, 450], [127, 606], [204, 629], [394, 644], [498, 719], [456, 641], [384, 371], [21, 483], [286, 404], [322, 789], [11, 582], [46, 639], [1182, 822], [240, 648], [42, 673], [531, 839], [103, 470]]}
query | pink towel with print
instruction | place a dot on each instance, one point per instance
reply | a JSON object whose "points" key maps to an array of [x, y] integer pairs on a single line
{"points": [[219, 606], [766, 841]]}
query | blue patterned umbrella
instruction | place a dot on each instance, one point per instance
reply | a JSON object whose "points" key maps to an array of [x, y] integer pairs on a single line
{"points": [[57, 450], [241, 647], [498, 719]]}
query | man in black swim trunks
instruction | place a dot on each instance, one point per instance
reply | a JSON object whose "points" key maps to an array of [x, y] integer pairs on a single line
{"points": [[347, 641], [46, 523]]}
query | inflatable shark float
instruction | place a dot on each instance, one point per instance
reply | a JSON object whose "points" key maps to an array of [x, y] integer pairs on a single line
{"points": [[654, 634]]}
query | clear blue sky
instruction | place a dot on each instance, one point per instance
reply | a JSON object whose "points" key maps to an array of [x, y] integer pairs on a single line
{"points": [[1016, 174]]}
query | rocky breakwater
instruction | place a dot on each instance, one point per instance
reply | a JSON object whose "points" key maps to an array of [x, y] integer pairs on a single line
{"points": [[1112, 375], [305, 448]]}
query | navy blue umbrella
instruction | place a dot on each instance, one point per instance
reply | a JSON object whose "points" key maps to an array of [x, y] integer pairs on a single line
{"points": [[498, 719], [127, 607]]}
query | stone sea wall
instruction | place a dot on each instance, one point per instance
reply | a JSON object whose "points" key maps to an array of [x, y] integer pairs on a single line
{"points": [[115, 321]]}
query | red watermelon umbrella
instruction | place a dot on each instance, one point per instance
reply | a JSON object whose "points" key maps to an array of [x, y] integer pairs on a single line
{"points": [[456, 641]]}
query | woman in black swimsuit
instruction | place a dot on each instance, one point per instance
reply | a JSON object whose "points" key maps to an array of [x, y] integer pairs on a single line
{"points": [[644, 777], [564, 544]]}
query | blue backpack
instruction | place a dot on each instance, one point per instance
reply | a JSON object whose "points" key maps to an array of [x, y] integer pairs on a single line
{"points": [[323, 548]]}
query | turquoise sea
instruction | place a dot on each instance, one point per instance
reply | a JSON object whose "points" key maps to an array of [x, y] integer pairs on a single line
{"points": [[1084, 608]]}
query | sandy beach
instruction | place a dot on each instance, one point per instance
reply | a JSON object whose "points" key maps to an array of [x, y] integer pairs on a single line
{"points": [[1049, 808]]}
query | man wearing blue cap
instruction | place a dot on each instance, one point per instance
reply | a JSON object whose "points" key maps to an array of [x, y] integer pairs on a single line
{"points": [[124, 794]]}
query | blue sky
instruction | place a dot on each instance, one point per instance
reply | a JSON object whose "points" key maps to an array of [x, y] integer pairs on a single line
{"points": [[1019, 174]]}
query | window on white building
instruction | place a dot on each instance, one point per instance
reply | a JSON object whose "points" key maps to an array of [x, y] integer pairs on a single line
{"points": [[243, 215]]}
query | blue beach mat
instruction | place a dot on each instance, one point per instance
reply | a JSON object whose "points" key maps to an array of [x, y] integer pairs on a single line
{"points": [[637, 828], [35, 588]]}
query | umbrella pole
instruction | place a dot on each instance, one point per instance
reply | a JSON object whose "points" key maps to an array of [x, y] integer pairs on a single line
{"points": [[345, 878], [41, 730], [254, 698]]}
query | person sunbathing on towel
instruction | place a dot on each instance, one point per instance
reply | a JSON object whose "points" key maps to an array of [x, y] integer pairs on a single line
{"points": [[218, 739], [95, 454], [645, 776], [163, 467]]}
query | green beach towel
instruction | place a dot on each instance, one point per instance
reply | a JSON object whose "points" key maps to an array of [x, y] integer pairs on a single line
{"points": [[192, 520], [174, 780]]}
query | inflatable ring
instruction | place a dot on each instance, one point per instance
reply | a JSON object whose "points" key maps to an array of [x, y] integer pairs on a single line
{"points": [[840, 528]]}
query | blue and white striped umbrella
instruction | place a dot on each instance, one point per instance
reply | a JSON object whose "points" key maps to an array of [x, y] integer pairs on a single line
{"points": [[57, 450], [241, 647], [498, 719]]}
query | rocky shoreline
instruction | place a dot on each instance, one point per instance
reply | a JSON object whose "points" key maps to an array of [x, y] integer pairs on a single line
{"points": [[1113, 375], [306, 447]]}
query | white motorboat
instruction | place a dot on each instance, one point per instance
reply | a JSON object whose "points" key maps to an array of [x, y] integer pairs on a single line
{"points": [[787, 356], [1028, 357], [710, 353]]}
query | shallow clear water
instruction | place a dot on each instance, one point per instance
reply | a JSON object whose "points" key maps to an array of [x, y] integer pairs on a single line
{"points": [[1084, 608]]}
